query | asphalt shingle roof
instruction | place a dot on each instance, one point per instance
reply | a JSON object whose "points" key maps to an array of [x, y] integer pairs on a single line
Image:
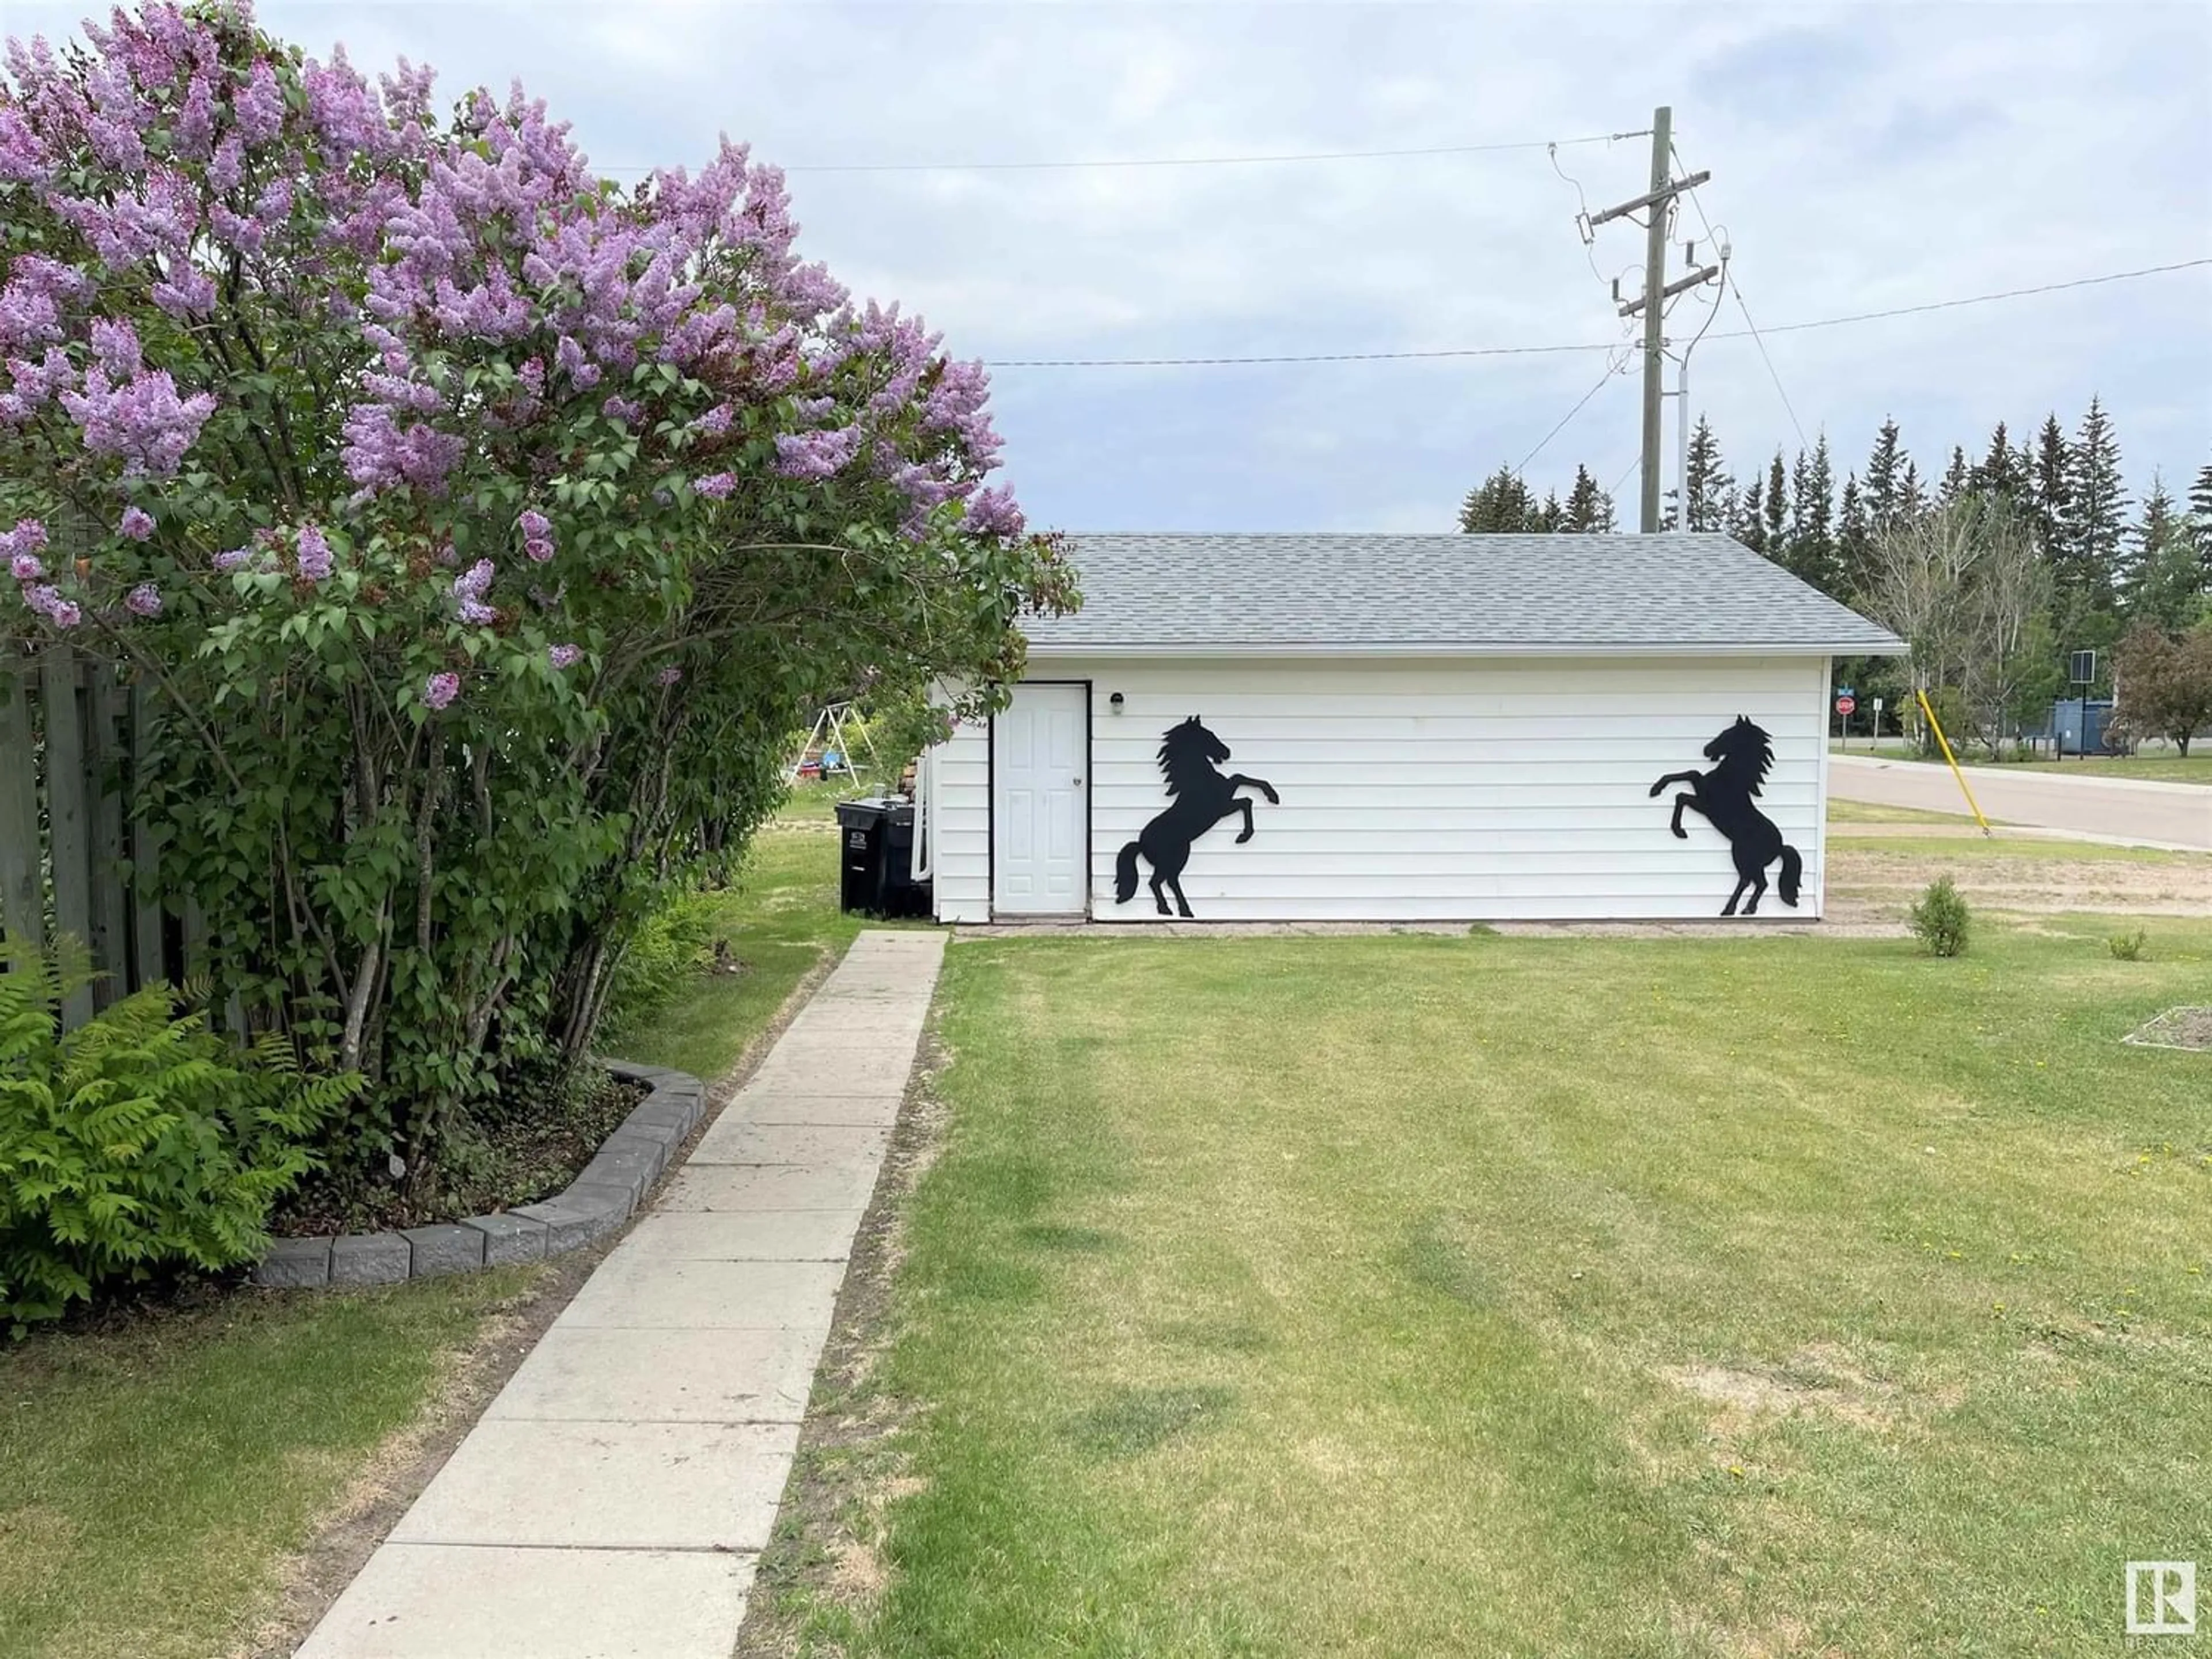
{"points": [[1477, 594]]}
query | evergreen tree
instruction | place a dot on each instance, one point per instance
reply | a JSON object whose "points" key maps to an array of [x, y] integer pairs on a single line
{"points": [[1550, 517], [1708, 485], [1851, 539], [1777, 509], [1501, 505], [1589, 509], [1811, 552], [2158, 526], [1884, 491], [2200, 521], [1747, 517], [2168, 588], [2048, 490], [1957, 478], [2000, 472], [1911, 496], [2091, 528]]}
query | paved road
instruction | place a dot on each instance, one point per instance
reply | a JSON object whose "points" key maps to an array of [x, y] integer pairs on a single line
{"points": [[2169, 814]]}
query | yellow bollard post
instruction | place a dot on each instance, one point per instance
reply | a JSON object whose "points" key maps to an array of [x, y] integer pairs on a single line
{"points": [[1936, 726]]}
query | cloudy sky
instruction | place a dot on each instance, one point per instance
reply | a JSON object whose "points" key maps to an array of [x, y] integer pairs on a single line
{"points": [[1863, 158]]}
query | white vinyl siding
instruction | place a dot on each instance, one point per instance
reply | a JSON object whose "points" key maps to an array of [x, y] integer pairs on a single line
{"points": [[960, 824], [1429, 790]]}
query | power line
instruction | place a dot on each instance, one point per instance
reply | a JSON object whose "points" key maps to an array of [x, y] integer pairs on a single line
{"points": [[1308, 357], [1736, 288], [1613, 367], [1787, 408], [1634, 461], [1591, 345], [1182, 160], [1979, 299]]}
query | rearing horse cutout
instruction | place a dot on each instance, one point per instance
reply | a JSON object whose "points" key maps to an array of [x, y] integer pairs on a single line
{"points": [[1198, 798], [1725, 795]]}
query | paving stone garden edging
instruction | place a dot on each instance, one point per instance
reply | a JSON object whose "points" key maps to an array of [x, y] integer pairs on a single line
{"points": [[605, 1193]]}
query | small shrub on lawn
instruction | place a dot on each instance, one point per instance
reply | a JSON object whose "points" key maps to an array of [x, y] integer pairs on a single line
{"points": [[1940, 919], [138, 1143], [2128, 947]]}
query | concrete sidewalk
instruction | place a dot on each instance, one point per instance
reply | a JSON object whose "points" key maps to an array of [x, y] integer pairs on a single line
{"points": [[616, 1496]]}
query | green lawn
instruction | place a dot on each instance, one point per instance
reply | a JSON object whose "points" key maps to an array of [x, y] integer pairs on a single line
{"points": [[1559, 1297], [2154, 769], [154, 1477], [780, 919], [1859, 811]]}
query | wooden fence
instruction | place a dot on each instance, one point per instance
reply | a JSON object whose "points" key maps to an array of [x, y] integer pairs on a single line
{"points": [[75, 859]]}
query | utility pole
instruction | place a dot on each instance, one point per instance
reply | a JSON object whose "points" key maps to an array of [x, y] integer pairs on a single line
{"points": [[1655, 278], [1657, 290]]}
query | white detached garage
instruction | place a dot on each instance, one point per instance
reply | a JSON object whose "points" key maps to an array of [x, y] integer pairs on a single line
{"points": [[1380, 727]]}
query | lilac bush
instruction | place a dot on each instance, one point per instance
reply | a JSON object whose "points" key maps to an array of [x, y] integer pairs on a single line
{"points": [[483, 528]]}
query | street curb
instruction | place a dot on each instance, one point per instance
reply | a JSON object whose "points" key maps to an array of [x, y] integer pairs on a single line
{"points": [[606, 1194]]}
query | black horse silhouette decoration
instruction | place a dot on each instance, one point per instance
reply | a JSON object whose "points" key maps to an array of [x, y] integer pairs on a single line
{"points": [[1744, 752], [1198, 798]]}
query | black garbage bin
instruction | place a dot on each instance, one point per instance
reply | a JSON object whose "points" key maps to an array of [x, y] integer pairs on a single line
{"points": [[876, 879]]}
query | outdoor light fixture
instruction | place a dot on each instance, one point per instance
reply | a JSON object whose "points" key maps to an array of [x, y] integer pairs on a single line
{"points": [[1116, 701]]}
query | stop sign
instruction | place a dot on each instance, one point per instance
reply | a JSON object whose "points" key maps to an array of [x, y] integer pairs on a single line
{"points": [[1845, 703]]}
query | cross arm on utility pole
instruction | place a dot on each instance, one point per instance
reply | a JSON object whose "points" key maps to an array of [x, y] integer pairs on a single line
{"points": [[1649, 198], [1696, 279]]}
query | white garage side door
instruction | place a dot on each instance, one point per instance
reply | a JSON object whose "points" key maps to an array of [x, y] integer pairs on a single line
{"points": [[1432, 790], [1039, 802]]}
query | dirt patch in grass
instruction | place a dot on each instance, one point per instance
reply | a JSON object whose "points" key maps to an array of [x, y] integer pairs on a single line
{"points": [[522, 1158], [2177, 1028], [1866, 884], [1818, 1380], [827, 1553]]}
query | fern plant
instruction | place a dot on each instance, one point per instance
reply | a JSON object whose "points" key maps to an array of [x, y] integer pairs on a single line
{"points": [[138, 1143]]}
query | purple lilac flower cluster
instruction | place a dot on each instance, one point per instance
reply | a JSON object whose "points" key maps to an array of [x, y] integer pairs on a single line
{"points": [[182, 145], [315, 560], [158, 105], [536, 535], [469, 590], [21, 547], [46, 600]]}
